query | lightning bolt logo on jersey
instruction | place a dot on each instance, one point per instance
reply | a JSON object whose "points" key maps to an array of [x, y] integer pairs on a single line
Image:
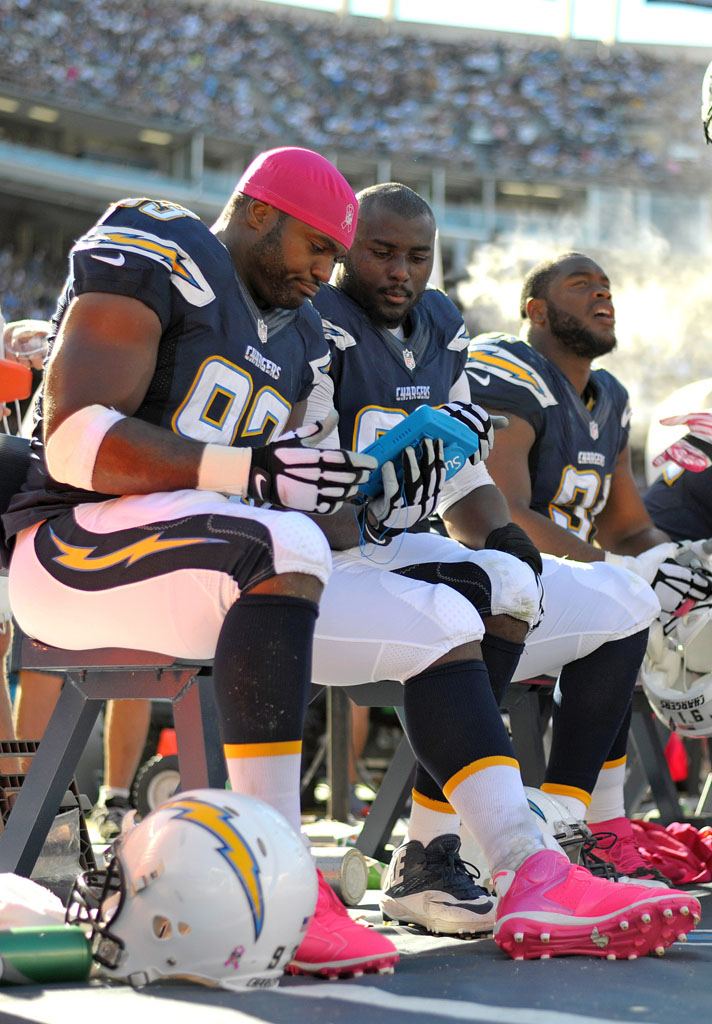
{"points": [[226, 372], [421, 372], [577, 443], [184, 272]]}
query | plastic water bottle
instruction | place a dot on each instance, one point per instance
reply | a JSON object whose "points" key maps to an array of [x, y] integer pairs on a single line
{"points": [[31, 956]]}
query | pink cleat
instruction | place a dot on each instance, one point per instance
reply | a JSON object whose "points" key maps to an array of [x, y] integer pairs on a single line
{"points": [[616, 845], [551, 907], [335, 946]]}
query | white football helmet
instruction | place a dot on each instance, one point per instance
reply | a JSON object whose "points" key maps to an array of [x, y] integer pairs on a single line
{"points": [[556, 820], [677, 672], [211, 887]]}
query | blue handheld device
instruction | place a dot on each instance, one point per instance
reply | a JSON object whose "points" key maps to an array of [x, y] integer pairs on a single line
{"points": [[459, 442]]}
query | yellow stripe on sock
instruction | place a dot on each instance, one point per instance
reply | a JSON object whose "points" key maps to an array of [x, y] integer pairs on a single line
{"points": [[433, 805], [477, 766], [237, 750], [615, 764], [574, 791]]}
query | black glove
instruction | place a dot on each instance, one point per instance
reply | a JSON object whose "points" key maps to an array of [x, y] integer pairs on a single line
{"points": [[292, 473], [403, 504], [514, 540]]}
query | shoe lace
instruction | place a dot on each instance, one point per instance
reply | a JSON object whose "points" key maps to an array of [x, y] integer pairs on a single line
{"points": [[597, 865], [458, 875], [603, 868]]}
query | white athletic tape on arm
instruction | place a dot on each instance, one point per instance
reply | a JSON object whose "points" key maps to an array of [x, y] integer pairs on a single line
{"points": [[225, 469], [72, 449], [469, 478]]}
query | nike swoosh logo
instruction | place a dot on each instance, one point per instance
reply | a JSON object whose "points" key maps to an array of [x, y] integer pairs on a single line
{"points": [[261, 483], [116, 261], [484, 379], [476, 908]]}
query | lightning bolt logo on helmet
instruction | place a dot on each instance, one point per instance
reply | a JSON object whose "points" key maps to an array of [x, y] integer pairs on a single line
{"points": [[232, 847]]}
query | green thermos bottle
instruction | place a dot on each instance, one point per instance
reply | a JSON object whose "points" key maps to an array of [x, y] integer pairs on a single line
{"points": [[31, 956]]}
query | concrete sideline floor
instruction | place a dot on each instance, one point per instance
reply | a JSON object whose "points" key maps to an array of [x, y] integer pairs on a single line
{"points": [[437, 980]]}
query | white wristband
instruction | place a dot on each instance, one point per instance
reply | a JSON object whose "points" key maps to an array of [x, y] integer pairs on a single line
{"points": [[225, 469], [647, 563], [71, 450]]}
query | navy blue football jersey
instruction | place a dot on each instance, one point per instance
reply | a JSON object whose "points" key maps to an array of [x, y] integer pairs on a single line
{"points": [[226, 373], [379, 379], [577, 442], [680, 502]]}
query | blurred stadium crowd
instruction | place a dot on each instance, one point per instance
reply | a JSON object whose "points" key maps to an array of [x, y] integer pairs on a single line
{"points": [[569, 109], [29, 287], [535, 109]]}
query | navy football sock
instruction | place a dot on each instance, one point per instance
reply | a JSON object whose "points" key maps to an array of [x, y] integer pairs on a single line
{"points": [[262, 668], [591, 718], [501, 658], [452, 719]]}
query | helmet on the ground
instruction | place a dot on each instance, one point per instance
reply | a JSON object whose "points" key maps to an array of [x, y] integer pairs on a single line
{"points": [[677, 672], [212, 887], [556, 820]]}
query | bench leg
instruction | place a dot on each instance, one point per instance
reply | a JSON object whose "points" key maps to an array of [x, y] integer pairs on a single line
{"points": [[338, 733], [47, 780], [200, 754], [389, 804], [524, 711], [652, 753]]}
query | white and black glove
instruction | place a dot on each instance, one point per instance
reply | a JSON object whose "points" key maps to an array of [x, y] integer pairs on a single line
{"points": [[294, 473], [694, 450], [480, 422], [403, 504], [678, 586], [697, 553]]}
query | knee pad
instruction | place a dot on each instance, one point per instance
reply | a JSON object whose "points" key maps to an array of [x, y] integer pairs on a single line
{"points": [[513, 585], [300, 546]]}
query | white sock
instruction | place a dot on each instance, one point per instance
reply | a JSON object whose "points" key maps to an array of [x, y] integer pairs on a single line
{"points": [[108, 793], [607, 799], [272, 777], [490, 799], [431, 818], [574, 804]]}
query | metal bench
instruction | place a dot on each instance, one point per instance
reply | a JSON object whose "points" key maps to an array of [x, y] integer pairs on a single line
{"points": [[91, 678]]}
